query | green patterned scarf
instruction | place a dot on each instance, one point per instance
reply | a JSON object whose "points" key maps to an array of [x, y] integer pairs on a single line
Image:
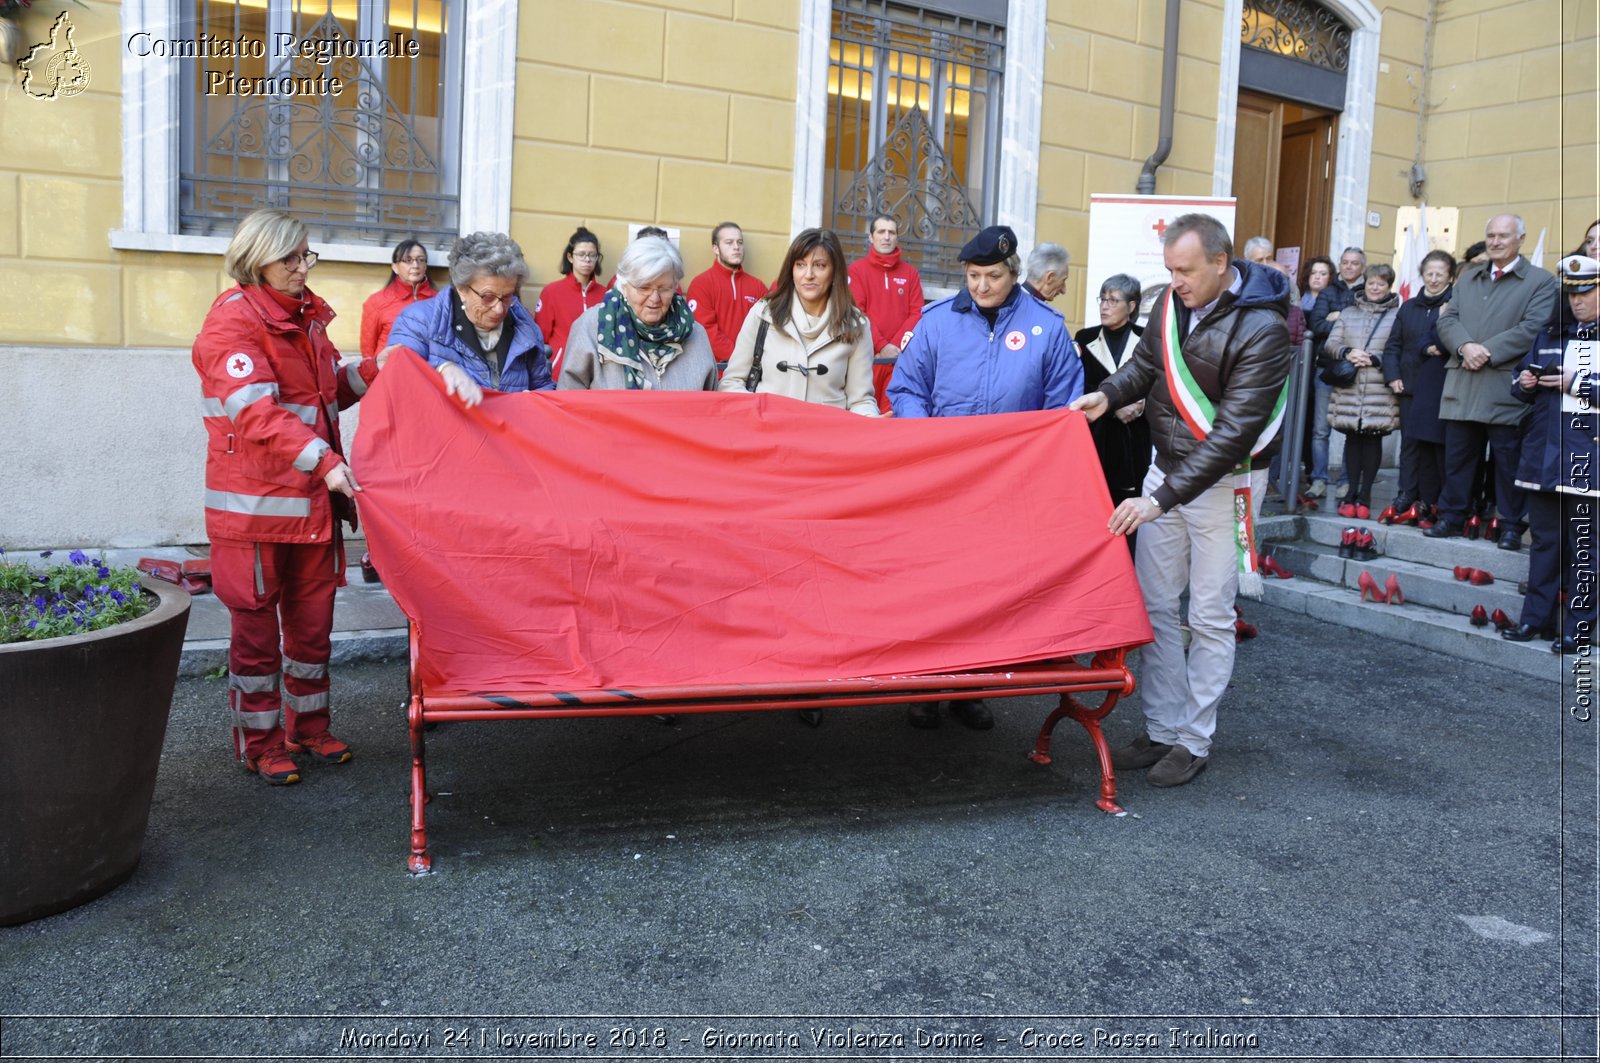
{"points": [[632, 344]]}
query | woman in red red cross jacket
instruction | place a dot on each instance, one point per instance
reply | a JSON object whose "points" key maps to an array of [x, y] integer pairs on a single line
{"points": [[276, 487]]}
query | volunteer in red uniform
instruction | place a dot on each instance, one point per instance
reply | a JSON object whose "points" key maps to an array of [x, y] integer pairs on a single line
{"points": [[408, 285], [889, 291], [562, 302], [276, 485], [722, 296]]}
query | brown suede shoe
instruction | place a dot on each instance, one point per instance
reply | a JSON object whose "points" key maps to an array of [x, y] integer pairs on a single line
{"points": [[1140, 753], [1176, 768]]}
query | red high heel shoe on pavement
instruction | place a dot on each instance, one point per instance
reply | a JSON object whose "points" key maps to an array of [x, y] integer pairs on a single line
{"points": [[1347, 543], [1463, 573], [1391, 587], [1366, 547], [1480, 578], [1368, 586], [1409, 516], [1387, 516], [1480, 616], [1491, 531], [1362, 512], [1500, 620], [1427, 517], [1270, 567], [1473, 527], [1347, 509]]}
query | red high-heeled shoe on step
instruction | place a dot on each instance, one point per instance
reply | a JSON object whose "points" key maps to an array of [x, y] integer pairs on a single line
{"points": [[1392, 589], [1271, 567], [1387, 516], [1368, 586], [1480, 616], [1500, 620], [1463, 572], [1409, 516]]}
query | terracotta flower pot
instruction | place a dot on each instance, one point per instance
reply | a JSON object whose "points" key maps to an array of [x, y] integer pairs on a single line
{"points": [[83, 719]]}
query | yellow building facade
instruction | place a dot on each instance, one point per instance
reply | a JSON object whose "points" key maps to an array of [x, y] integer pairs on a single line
{"points": [[685, 113]]}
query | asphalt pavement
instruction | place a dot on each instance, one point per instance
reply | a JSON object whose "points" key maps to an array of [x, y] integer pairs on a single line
{"points": [[1391, 856]]}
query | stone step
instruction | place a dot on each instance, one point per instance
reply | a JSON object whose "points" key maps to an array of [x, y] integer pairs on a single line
{"points": [[1421, 584], [1405, 543], [1416, 625]]}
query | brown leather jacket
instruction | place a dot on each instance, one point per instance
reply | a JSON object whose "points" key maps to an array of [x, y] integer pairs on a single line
{"points": [[1240, 357]]}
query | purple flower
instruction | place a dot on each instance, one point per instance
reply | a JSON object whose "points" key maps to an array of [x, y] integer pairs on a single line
{"points": [[102, 571], [39, 602], [46, 553], [78, 557], [119, 597]]}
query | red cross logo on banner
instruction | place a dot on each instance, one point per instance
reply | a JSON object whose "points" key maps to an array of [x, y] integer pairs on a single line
{"points": [[240, 365], [1160, 227], [1015, 339]]}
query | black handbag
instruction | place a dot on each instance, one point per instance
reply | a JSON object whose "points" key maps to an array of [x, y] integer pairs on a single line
{"points": [[1343, 373], [752, 379], [1340, 374]]}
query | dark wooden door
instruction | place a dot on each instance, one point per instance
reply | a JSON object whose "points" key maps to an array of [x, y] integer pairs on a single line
{"points": [[1283, 173], [1255, 166], [1305, 185]]}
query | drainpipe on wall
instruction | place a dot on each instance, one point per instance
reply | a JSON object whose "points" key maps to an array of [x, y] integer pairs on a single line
{"points": [[1416, 176], [1169, 88]]}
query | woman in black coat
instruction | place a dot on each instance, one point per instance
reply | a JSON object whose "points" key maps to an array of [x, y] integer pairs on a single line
{"points": [[1414, 356], [1123, 440]]}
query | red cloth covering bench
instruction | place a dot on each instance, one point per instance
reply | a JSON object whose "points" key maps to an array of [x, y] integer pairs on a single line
{"points": [[612, 554]]}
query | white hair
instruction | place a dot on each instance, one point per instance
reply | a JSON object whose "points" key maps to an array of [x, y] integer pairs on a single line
{"points": [[1046, 258], [647, 258]]}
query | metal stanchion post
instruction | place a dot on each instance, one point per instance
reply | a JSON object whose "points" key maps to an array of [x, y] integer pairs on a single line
{"points": [[1294, 423]]}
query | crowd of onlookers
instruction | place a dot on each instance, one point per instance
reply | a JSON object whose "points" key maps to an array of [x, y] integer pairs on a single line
{"points": [[858, 336]]}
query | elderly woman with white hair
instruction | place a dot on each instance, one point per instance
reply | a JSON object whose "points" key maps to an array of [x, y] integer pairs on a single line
{"points": [[476, 332], [277, 486], [642, 336]]}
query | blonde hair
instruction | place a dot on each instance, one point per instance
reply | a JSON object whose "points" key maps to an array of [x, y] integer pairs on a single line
{"points": [[263, 237]]}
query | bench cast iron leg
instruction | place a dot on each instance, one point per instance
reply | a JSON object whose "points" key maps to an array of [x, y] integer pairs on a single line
{"points": [[1090, 719], [420, 863]]}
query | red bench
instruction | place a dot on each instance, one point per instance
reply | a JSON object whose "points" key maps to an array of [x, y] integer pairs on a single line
{"points": [[1105, 673]]}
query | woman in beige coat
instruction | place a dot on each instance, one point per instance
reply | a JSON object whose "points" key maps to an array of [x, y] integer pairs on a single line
{"points": [[815, 345], [1368, 409]]}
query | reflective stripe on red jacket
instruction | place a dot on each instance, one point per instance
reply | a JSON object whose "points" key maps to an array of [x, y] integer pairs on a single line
{"points": [[270, 393]]}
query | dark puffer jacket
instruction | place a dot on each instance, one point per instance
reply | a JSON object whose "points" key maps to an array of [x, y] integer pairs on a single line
{"points": [[1239, 356]]}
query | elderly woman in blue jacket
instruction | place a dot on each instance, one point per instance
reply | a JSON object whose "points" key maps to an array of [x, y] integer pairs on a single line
{"points": [[476, 332], [992, 348], [1560, 467]]}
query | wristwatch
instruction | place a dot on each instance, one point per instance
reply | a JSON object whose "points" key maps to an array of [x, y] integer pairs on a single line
{"points": [[1155, 502]]}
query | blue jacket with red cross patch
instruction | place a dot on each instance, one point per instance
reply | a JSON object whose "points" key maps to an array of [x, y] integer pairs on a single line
{"points": [[957, 364]]}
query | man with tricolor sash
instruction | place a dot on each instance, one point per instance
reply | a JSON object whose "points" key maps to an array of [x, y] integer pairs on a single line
{"points": [[1212, 367]]}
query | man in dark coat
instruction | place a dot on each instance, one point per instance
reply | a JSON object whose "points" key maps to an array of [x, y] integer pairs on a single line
{"points": [[1560, 380], [1498, 308], [1211, 366]]}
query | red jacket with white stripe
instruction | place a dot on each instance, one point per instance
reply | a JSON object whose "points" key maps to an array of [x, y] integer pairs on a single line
{"points": [[889, 291], [270, 394], [721, 298], [561, 302]]}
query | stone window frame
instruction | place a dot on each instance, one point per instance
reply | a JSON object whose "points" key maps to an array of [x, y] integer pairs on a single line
{"points": [[1017, 202], [151, 131]]}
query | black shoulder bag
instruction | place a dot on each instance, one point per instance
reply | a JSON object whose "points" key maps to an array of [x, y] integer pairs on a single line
{"points": [[752, 379]]}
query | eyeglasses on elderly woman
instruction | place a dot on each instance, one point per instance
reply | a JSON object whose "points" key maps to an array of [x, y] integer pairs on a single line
{"points": [[296, 260]]}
